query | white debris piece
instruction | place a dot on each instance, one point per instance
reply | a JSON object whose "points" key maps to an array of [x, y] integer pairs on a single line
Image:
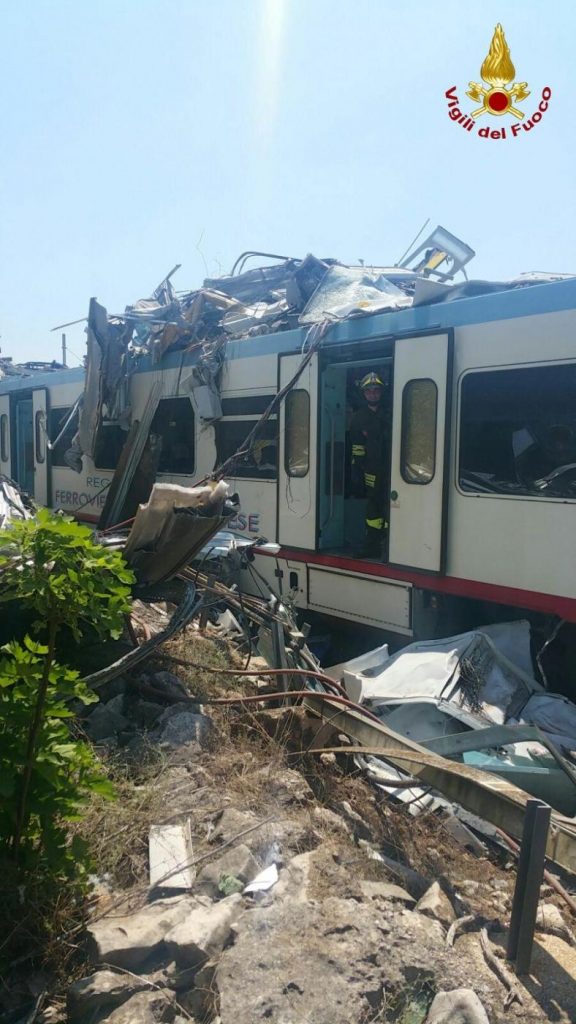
{"points": [[263, 881], [170, 853]]}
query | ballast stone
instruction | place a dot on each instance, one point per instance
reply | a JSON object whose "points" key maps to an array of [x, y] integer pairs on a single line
{"points": [[127, 941], [106, 720], [460, 1006], [203, 933], [384, 890], [146, 713], [102, 990], [186, 728], [435, 904], [295, 879], [171, 686], [144, 1008], [549, 919], [181, 707], [237, 862]]}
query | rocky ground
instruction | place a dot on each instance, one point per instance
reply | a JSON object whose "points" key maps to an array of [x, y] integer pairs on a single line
{"points": [[342, 937]]}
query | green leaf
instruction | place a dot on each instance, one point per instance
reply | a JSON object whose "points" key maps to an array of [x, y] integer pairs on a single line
{"points": [[34, 647], [103, 788]]}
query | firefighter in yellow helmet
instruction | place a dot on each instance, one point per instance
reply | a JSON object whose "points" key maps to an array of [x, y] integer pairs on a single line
{"points": [[369, 432]]}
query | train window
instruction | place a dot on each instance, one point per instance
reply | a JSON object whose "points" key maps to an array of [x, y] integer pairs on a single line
{"points": [[108, 446], [4, 452], [246, 405], [40, 435], [174, 423], [418, 444], [518, 431], [57, 420], [261, 461], [297, 436]]}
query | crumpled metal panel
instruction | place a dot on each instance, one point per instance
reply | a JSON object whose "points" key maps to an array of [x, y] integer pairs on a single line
{"points": [[350, 291], [172, 527], [94, 382], [486, 795], [12, 504]]}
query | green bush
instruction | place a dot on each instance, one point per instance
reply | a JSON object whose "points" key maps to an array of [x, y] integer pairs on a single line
{"points": [[53, 567]]}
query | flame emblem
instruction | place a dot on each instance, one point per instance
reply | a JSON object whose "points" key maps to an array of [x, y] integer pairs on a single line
{"points": [[498, 71]]}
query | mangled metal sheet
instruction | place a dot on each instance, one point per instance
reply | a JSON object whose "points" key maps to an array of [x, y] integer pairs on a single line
{"points": [[353, 291], [172, 527], [106, 371], [491, 798], [268, 299], [14, 504], [496, 657], [474, 697]]}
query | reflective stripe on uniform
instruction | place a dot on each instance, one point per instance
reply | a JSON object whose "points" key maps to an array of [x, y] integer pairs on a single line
{"points": [[375, 524], [359, 450], [370, 479]]}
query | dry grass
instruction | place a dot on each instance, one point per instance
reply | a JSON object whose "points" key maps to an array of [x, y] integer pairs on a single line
{"points": [[117, 831], [214, 652]]}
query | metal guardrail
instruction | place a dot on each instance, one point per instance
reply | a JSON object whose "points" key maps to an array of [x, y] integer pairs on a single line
{"points": [[481, 793]]}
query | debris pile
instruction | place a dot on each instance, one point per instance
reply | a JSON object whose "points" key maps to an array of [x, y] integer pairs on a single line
{"points": [[280, 887], [8, 368], [251, 873], [292, 293], [472, 698], [272, 880], [272, 298]]}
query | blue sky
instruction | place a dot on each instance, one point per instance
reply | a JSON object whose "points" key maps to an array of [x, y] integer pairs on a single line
{"points": [[137, 134]]}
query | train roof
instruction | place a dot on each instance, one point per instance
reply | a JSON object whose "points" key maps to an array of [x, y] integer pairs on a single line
{"points": [[537, 295], [25, 376], [270, 308], [267, 308]]}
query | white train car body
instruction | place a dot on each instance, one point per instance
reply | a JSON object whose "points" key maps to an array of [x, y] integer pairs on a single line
{"points": [[482, 459]]}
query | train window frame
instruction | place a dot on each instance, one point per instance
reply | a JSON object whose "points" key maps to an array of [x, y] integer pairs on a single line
{"points": [[403, 433], [526, 494], [4, 438], [105, 443], [58, 451], [248, 422], [184, 407], [290, 472], [40, 436]]}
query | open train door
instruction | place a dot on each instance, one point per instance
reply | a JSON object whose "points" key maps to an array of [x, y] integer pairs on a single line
{"points": [[420, 434], [40, 433], [298, 441], [5, 454]]}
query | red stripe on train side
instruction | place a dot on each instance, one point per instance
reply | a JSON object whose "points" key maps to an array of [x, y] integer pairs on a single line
{"points": [[564, 607]]}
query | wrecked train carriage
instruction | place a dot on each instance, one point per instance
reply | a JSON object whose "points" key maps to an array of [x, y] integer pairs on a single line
{"points": [[35, 403], [481, 388]]}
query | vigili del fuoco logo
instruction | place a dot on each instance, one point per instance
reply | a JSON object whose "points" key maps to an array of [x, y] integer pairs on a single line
{"points": [[501, 95]]}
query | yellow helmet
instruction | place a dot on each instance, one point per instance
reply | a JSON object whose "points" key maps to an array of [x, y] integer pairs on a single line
{"points": [[371, 380]]}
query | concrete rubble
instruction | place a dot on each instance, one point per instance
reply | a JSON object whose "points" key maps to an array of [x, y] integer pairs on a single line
{"points": [[460, 1006], [435, 904], [128, 941], [103, 991], [358, 920], [203, 932], [347, 933]]}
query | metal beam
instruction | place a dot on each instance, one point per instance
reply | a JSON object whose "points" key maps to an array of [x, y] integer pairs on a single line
{"points": [[482, 793], [480, 739]]}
